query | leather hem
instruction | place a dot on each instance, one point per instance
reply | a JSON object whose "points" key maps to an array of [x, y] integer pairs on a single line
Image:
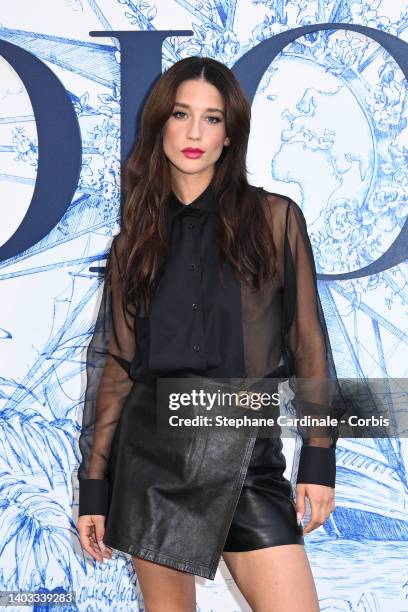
{"points": [[149, 554], [299, 539]]}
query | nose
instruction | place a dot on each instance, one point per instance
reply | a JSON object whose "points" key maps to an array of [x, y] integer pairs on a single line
{"points": [[194, 129]]}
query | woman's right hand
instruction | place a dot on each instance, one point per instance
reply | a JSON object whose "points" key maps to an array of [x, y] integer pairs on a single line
{"points": [[91, 529]]}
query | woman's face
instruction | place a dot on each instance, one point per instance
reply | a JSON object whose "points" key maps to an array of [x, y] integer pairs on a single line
{"points": [[197, 122]]}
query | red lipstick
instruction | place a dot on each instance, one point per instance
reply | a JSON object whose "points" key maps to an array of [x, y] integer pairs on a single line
{"points": [[192, 153]]}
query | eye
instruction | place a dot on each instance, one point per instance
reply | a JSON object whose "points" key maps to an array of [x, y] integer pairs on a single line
{"points": [[216, 120], [181, 114]]}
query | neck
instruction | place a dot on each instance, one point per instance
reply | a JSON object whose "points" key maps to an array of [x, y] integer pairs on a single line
{"points": [[187, 187]]}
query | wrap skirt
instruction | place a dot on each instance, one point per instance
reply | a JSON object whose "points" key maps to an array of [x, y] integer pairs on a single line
{"points": [[182, 502]]}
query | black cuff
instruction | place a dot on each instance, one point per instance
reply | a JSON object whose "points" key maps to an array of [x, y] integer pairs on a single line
{"points": [[93, 496], [317, 465]]}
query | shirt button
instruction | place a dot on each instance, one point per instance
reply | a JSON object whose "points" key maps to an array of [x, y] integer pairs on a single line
{"points": [[193, 266], [191, 225], [194, 306], [196, 347]]}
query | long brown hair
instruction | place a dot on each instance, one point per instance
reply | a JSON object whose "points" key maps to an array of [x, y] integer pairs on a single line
{"points": [[245, 238]]}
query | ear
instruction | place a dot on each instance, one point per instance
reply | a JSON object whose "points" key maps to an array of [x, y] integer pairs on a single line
{"points": [[226, 141]]}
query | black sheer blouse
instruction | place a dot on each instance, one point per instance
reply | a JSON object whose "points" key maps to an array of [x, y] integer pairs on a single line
{"points": [[227, 330]]}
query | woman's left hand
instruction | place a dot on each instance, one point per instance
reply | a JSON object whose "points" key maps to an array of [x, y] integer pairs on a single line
{"points": [[321, 500]]}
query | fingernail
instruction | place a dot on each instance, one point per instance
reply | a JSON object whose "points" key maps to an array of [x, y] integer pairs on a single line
{"points": [[102, 546], [299, 517]]}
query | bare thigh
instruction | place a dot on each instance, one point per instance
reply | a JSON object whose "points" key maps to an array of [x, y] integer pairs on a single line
{"points": [[276, 578], [165, 589]]}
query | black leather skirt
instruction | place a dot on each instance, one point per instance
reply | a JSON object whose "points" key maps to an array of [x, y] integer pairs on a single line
{"points": [[266, 513], [182, 502]]}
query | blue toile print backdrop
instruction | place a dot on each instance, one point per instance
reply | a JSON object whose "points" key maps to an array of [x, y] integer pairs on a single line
{"points": [[327, 80]]}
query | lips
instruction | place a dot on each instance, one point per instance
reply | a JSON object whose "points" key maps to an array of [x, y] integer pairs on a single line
{"points": [[192, 153]]}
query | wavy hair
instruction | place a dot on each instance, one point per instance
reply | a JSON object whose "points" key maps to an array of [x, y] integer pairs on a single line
{"points": [[244, 236]]}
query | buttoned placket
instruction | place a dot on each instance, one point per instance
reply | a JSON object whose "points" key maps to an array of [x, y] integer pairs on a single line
{"points": [[193, 220]]}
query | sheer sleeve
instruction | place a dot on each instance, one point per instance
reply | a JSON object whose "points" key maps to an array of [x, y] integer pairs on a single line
{"points": [[308, 351], [108, 359]]}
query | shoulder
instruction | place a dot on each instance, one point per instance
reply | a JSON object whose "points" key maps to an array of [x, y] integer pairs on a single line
{"points": [[118, 241], [118, 245], [116, 254], [276, 203], [279, 208]]}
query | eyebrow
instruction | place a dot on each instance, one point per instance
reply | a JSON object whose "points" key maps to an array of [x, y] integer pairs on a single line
{"points": [[211, 110]]}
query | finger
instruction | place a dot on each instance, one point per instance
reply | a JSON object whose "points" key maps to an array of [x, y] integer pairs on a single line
{"points": [[311, 525], [106, 552], [321, 504], [87, 545], [93, 550], [316, 514], [300, 502], [93, 538], [330, 509], [103, 556], [90, 543], [99, 523], [86, 532], [328, 506], [109, 551], [333, 502]]}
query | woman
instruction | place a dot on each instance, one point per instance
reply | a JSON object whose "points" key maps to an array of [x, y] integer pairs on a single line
{"points": [[177, 305]]}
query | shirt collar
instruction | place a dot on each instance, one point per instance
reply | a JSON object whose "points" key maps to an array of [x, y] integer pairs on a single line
{"points": [[204, 202]]}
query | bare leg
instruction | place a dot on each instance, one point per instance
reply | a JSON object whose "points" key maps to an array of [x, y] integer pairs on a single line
{"points": [[165, 589], [276, 578]]}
